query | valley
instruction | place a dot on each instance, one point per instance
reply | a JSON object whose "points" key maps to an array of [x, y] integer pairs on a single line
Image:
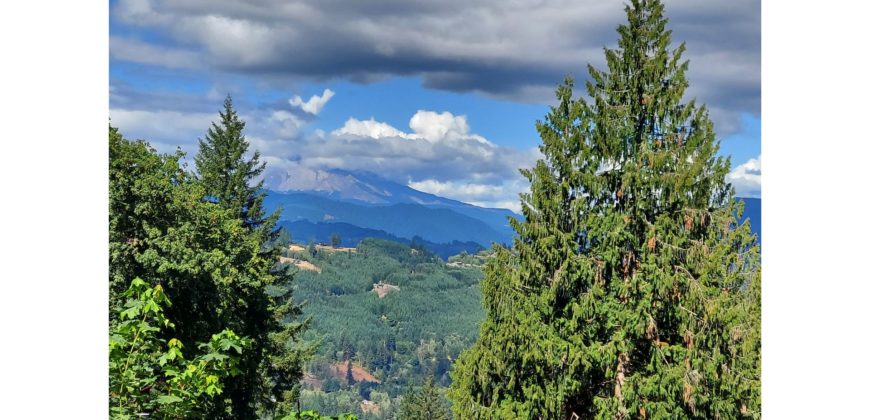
{"points": [[393, 313]]}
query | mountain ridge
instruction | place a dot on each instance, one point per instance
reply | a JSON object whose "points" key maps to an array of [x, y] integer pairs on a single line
{"points": [[366, 203]]}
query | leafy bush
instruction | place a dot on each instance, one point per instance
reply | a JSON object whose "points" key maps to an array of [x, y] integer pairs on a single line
{"points": [[148, 375]]}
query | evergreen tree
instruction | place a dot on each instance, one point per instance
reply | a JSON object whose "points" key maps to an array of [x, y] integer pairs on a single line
{"points": [[423, 404], [228, 178], [226, 172], [631, 290], [348, 375]]}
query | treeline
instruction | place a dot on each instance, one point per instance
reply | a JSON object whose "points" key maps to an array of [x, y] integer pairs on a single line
{"points": [[305, 231]]}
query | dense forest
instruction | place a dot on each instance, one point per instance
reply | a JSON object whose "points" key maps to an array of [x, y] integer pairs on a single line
{"points": [[399, 315], [631, 288]]}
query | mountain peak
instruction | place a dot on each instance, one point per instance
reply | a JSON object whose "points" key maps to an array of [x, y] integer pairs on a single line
{"points": [[352, 186]]}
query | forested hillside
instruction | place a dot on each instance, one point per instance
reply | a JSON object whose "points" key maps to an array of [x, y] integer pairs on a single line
{"points": [[427, 312], [305, 232]]}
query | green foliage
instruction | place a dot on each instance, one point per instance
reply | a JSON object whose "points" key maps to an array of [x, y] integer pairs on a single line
{"points": [[423, 404], [631, 290], [225, 172], [401, 338], [335, 240], [214, 262], [313, 415], [423, 326], [148, 375]]}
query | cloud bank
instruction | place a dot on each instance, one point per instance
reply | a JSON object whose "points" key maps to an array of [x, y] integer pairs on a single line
{"points": [[510, 49]]}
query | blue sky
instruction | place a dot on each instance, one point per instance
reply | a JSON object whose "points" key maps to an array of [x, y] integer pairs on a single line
{"points": [[442, 97]]}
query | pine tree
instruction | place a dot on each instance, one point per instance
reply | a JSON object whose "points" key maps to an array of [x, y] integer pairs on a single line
{"points": [[631, 290]]}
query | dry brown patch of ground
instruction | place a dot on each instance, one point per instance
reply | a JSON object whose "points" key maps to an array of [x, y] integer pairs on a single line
{"points": [[312, 381], [300, 264], [382, 288], [369, 407], [295, 248], [339, 371], [336, 249]]}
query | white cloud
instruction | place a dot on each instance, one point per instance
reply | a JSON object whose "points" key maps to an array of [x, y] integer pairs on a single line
{"points": [[436, 126], [314, 104], [453, 188], [368, 128], [746, 178], [425, 125], [501, 195]]}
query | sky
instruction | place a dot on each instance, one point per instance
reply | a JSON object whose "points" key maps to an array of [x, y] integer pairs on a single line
{"points": [[440, 96]]}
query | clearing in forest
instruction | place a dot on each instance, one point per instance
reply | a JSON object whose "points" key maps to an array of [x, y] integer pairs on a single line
{"points": [[329, 248], [382, 288], [339, 371], [300, 264], [295, 248]]}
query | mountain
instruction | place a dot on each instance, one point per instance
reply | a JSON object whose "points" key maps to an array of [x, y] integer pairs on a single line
{"points": [[366, 188], [433, 224], [368, 201], [362, 203]]}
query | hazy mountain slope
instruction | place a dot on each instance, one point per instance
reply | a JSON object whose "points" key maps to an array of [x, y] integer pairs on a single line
{"points": [[365, 188], [403, 220]]}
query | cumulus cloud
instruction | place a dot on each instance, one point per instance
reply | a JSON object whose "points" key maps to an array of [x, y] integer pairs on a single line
{"points": [[488, 46], [367, 128], [425, 125], [746, 178], [439, 146], [436, 126], [314, 104]]}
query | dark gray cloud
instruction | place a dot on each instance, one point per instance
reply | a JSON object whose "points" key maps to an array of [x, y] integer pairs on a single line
{"points": [[511, 49]]}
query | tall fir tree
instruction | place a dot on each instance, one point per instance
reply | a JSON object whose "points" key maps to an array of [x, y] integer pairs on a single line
{"points": [[226, 172], [228, 175], [631, 289]]}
